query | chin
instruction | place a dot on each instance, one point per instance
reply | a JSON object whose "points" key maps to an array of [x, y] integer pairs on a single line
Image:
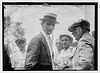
{"points": [[49, 33], [77, 39], [64, 46]]}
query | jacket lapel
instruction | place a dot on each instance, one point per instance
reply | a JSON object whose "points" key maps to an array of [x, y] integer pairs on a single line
{"points": [[46, 45]]}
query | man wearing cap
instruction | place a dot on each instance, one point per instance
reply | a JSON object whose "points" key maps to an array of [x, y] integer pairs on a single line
{"points": [[39, 53], [18, 57], [83, 58]]}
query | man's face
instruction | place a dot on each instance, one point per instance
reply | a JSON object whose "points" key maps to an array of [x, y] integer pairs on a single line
{"points": [[21, 45], [48, 27], [58, 45], [65, 42], [77, 32]]}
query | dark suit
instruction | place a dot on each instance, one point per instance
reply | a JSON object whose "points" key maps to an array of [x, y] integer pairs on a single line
{"points": [[38, 54], [6, 60]]}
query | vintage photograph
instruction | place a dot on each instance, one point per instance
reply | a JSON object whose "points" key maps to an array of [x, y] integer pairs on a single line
{"points": [[49, 36]]}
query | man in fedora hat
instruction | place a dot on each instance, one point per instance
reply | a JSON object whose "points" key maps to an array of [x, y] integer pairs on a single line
{"points": [[83, 58], [39, 53]]}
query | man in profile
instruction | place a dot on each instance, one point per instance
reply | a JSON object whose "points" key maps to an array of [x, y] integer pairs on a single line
{"points": [[83, 58]]}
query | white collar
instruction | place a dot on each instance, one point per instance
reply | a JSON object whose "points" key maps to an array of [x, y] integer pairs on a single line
{"points": [[45, 35]]}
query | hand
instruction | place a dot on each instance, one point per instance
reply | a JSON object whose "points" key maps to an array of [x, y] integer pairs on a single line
{"points": [[55, 62], [28, 66]]}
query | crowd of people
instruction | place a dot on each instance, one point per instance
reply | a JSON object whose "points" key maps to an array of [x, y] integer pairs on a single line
{"points": [[40, 54]]}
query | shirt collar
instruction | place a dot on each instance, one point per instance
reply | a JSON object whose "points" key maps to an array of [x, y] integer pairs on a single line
{"points": [[83, 36], [46, 35]]}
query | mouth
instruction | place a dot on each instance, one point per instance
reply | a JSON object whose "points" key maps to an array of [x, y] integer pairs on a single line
{"points": [[64, 45], [49, 30]]}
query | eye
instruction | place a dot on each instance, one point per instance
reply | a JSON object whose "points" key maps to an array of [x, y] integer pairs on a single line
{"points": [[66, 40], [48, 24], [74, 29], [53, 24], [62, 40]]}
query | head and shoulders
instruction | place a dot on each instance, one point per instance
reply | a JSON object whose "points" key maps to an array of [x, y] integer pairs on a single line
{"points": [[66, 41], [80, 30], [21, 44], [58, 45], [48, 23]]}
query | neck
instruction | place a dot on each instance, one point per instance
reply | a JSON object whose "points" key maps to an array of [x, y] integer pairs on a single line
{"points": [[59, 51], [22, 51], [45, 32], [83, 33], [66, 47]]}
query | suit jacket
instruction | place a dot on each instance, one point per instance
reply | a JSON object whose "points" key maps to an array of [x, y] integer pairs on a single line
{"points": [[38, 52], [83, 57], [6, 60]]}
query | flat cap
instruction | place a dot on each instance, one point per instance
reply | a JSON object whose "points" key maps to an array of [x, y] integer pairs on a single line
{"points": [[83, 23]]}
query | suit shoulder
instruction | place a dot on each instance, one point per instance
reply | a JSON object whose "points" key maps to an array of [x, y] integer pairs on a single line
{"points": [[87, 38], [36, 38]]}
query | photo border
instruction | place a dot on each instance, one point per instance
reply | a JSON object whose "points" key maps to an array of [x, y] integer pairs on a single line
{"points": [[59, 3]]}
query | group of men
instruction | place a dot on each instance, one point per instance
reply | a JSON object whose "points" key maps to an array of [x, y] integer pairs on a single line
{"points": [[40, 53]]}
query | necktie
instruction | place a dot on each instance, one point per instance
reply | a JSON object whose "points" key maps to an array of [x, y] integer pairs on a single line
{"points": [[50, 43]]}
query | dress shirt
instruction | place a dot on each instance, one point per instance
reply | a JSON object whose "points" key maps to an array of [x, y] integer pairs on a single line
{"points": [[47, 37]]}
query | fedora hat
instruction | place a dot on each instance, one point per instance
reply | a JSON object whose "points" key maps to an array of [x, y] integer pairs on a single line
{"points": [[50, 17], [83, 23]]}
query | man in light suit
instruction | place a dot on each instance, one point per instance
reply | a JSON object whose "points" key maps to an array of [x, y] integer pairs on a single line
{"points": [[39, 53], [83, 58]]}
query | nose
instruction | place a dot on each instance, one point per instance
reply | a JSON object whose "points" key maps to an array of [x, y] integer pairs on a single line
{"points": [[63, 42], [51, 26]]}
